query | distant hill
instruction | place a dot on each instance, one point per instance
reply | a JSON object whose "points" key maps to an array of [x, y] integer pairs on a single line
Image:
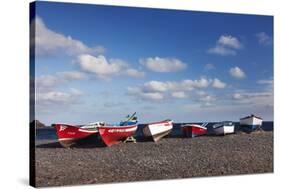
{"points": [[38, 124]]}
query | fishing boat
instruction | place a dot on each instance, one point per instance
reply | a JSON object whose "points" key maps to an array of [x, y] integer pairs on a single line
{"points": [[223, 128], [68, 135], [158, 130], [251, 123], [194, 130], [114, 134]]}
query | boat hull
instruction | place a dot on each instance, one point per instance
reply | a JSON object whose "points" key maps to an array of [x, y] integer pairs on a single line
{"points": [[191, 131], [69, 135], [250, 123], [224, 130], [115, 134], [158, 130]]}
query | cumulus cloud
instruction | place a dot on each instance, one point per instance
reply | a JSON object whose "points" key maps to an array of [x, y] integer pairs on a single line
{"points": [[264, 97], [47, 94], [48, 42], [100, 65], [57, 97], [139, 93], [158, 64], [237, 96], [218, 84], [237, 73], [159, 90], [264, 39], [48, 82], [205, 98], [221, 50], [179, 94], [226, 45], [134, 73], [184, 85], [229, 41], [106, 68]]}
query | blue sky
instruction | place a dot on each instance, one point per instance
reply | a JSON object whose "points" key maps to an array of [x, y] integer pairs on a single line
{"points": [[102, 62]]}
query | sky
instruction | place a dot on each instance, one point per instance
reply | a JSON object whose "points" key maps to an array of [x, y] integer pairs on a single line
{"points": [[100, 63]]}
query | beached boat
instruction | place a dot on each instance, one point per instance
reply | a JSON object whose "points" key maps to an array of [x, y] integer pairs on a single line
{"points": [[251, 123], [223, 128], [158, 130], [69, 135], [130, 120], [114, 134], [193, 130]]}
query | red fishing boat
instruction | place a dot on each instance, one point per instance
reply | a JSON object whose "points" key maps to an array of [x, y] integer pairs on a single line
{"points": [[193, 130], [68, 135], [116, 134]]}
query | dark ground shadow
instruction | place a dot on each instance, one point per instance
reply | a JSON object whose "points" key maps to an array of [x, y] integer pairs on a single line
{"points": [[92, 142]]}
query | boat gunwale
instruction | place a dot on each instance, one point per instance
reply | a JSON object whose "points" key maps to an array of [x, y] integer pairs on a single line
{"points": [[117, 126], [194, 125], [250, 116]]}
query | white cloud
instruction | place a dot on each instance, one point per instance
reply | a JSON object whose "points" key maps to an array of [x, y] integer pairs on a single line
{"points": [[157, 86], [265, 81], [58, 98], [226, 45], [48, 42], [134, 73], [237, 96], [137, 92], [229, 41], [163, 64], [264, 39], [209, 66], [100, 65], [48, 82], [104, 68], [201, 83], [176, 89], [258, 98], [237, 73], [218, 84], [221, 50], [179, 94], [184, 85], [268, 84], [72, 75], [207, 98]]}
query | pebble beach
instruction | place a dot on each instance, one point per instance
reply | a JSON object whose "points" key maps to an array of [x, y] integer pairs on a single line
{"points": [[170, 158]]}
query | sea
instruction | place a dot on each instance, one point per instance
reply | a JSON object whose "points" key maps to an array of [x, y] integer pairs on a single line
{"points": [[49, 133]]}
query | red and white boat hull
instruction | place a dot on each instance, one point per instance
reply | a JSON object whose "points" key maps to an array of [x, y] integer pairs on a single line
{"points": [[115, 134], [68, 135], [193, 130], [158, 130]]}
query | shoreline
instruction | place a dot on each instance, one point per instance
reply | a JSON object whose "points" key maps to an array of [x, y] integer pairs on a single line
{"points": [[170, 158]]}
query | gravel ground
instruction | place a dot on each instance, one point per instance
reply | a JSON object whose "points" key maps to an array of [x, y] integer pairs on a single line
{"points": [[169, 158]]}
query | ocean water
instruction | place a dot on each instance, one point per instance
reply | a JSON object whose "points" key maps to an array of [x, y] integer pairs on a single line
{"points": [[49, 133]]}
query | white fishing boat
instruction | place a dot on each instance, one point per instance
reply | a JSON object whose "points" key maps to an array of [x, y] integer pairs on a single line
{"points": [[251, 122], [223, 128], [158, 130]]}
